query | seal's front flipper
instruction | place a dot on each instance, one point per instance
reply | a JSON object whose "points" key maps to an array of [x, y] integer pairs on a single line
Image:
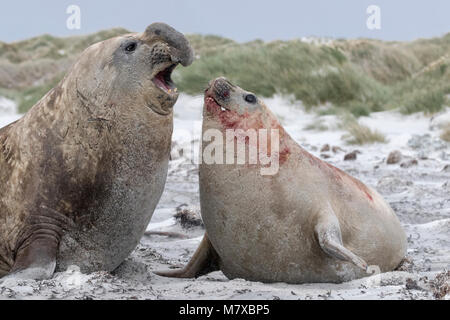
{"points": [[205, 260], [35, 260], [329, 235], [38, 244]]}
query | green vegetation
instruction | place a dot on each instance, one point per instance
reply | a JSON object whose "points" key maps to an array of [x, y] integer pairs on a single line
{"points": [[425, 92], [351, 76], [429, 101], [313, 74], [47, 46], [357, 76]]}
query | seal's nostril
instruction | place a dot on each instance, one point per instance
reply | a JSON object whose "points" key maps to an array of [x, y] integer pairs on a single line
{"points": [[221, 88]]}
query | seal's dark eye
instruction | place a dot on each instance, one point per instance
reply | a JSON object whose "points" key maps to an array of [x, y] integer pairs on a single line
{"points": [[250, 98], [131, 47]]}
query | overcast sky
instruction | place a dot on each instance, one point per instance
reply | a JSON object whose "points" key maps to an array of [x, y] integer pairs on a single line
{"points": [[242, 20]]}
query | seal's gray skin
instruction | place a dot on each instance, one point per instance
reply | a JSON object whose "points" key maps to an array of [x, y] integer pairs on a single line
{"points": [[82, 172], [310, 222]]}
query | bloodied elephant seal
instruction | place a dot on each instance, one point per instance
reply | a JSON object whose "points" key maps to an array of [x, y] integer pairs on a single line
{"points": [[82, 172], [304, 221]]}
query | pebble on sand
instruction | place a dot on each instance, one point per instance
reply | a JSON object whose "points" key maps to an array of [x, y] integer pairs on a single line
{"points": [[394, 157]]}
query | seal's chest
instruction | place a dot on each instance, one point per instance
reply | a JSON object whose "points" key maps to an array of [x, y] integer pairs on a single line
{"points": [[115, 224]]}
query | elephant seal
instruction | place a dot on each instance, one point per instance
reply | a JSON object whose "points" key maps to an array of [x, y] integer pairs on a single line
{"points": [[307, 222], [82, 172]]}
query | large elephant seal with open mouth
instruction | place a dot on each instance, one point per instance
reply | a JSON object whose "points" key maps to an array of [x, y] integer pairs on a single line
{"points": [[82, 172], [305, 222]]}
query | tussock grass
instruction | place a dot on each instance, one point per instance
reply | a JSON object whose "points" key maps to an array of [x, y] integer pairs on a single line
{"points": [[317, 125], [423, 93], [355, 76], [360, 76], [384, 62], [428, 101], [49, 47], [312, 74], [359, 134]]}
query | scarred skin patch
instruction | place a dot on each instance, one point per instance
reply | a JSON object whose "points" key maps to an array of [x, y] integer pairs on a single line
{"points": [[335, 173], [232, 119]]}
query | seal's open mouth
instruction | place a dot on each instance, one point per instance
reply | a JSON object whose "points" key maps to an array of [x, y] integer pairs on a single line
{"points": [[163, 80], [211, 102], [213, 95]]}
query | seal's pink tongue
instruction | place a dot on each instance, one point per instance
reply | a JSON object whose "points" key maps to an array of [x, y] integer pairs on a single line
{"points": [[161, 82]]}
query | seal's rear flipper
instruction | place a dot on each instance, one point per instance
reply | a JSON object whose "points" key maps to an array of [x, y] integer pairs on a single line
{"points": [[204, 261], [328, 233]]}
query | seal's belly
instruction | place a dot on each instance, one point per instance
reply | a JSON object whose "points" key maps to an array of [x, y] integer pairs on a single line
{"points": [[267, 232], [270, 250]]}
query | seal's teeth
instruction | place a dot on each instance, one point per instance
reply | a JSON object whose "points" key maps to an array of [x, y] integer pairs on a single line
{"points": [[175, 90], [170, 91], [223, 109]]}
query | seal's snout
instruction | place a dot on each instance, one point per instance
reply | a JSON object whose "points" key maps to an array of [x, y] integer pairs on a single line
{"points": [[221, 88], [169, 48], [181, 50], [218, 94]]}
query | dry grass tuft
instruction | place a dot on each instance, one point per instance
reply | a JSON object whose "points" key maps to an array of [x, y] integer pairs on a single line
{"points": [[359, 134], [446, 135], [317, 125], [441, 285]]}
